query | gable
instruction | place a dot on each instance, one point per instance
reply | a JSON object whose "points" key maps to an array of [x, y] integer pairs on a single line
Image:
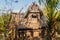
{"points": [[33, 8]]}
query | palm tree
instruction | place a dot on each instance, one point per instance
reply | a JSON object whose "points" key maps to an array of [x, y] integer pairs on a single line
{"points": [[52, 15]]}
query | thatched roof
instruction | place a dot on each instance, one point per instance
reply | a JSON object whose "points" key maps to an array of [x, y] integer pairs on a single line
{"points": [[33, 8]]}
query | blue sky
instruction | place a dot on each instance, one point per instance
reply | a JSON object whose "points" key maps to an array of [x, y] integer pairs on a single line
{"points": [[16, 6], [6, 4]]}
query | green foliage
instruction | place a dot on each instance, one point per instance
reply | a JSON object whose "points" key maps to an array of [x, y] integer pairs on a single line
{"points": [[51, 6], [6, 19], [53, 14], [1, 24], [58, 18], [1, 21], [4, 22]]}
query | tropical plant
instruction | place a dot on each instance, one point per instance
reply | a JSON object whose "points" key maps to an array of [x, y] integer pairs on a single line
{"points": [[4, 23], [1, 24], [52, 15]]}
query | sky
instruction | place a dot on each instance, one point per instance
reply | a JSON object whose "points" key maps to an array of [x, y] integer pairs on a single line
{"points": [[16, 5]]}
